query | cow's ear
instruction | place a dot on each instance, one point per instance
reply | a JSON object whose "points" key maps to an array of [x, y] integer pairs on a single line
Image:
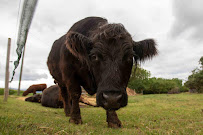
{"points": [[144, 49], [79, 45]]}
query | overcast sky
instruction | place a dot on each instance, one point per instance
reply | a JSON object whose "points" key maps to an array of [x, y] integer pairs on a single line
{"points": [[177, 26]]}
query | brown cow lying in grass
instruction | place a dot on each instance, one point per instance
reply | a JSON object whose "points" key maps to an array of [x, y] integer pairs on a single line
{"points": [[34, 88], [49, 97]]}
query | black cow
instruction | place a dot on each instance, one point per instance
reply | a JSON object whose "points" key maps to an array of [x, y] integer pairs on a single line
{"points": [[35, 98], [97, 55], [51, 97]]}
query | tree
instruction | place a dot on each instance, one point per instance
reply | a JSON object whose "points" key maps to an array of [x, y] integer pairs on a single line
{"points": [[201, 62], [142, 83], [137, 78], [195, 80], [139, 73]]}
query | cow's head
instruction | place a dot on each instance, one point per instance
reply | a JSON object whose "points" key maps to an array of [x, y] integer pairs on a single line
{"points": [[109, 53]]}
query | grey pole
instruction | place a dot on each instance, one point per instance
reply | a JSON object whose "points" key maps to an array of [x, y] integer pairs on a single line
{"points": [[6, 90]]}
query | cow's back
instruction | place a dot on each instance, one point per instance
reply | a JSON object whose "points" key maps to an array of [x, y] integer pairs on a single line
{"points": [[35, 87], [88, 24], [54, 58], [84, 26]]}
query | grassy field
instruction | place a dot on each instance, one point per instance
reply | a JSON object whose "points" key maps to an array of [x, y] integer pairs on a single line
{"points": [[145, 114]]}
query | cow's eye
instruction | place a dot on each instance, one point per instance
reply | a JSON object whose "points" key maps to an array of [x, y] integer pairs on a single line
{"points": [[94, 57], [128, 58]]}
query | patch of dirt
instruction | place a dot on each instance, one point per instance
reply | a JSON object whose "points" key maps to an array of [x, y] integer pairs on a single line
{"points": [[87, 100], [22, 98], [130, 92], [91, 100]]}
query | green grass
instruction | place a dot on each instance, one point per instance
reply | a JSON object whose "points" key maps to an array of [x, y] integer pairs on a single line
{"points": [[145, 114]]}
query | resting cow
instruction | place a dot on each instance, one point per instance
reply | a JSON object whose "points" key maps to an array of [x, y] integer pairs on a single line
{"points": [[34, 88], [97, 55], [50, 97], [34, 98]]}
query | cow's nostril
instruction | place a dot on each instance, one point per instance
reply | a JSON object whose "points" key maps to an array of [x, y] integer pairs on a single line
{"points": [[106, 96], [118, 97], [114, 97]]}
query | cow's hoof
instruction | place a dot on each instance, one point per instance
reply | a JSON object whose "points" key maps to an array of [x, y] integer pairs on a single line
{"points": [[75, 121], [68, 115], [114, 125]]}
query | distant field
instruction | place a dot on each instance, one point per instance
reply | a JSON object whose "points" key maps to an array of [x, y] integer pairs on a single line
{"points": [[145, 114]]}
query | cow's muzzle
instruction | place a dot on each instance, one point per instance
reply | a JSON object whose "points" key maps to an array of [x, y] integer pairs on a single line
{"points": [[111, 100]]}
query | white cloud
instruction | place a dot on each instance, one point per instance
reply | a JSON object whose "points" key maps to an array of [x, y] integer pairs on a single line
{"points": [[188, 19]]}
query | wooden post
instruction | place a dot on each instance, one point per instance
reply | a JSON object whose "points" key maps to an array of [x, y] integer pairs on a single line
{"points": [[21, 71], [6, 90]]}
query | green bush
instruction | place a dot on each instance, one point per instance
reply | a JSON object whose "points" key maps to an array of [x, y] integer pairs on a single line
{"points": [[11, 92], [195, 80], [175, 90], [1, 91], [156, 85], [183, 89], [141, 82]]}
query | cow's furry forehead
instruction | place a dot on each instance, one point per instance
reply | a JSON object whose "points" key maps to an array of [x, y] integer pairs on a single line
{"points": [[110, 31]]}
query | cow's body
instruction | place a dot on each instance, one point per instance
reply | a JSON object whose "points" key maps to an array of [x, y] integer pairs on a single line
{"points": [[34, 88], [98, 56], [51, 98]]}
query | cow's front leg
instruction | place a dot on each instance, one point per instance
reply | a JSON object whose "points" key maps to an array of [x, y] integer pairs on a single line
{"points": [[112, 119], [66, 99], [34, 92], [75, 92]]}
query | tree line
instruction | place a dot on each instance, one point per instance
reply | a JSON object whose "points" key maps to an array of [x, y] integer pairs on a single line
{"points": [[195, 80], [141, 82]]}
